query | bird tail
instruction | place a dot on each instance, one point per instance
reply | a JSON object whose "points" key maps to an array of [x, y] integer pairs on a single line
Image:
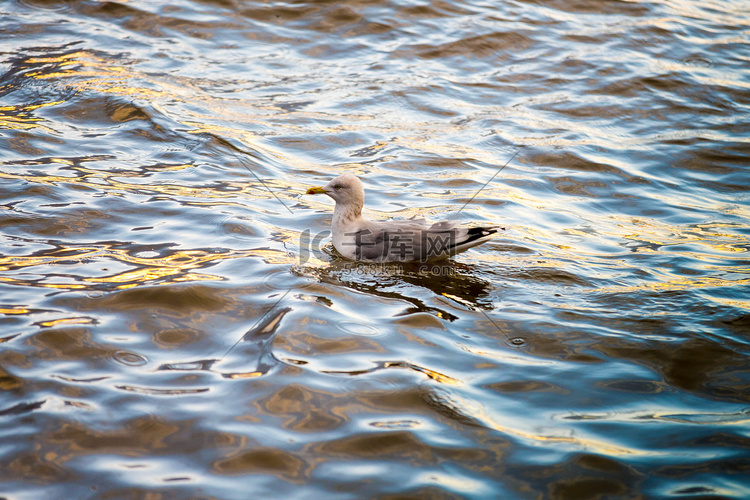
{"points": [[474, 236]]}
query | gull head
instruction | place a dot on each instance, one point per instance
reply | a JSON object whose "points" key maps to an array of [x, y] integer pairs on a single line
{"points": [[346, 190]]}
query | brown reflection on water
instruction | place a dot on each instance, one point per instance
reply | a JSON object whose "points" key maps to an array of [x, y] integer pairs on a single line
{"points": [[50, 453], [304, 409], [584, 475], [174, 338], [274, 461], [8, 382], [68, 344], [139, 436], [401, 445], [696, 365], [184, 300]]}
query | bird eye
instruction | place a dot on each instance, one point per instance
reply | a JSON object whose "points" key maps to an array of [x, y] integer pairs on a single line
{"points": [[337, 186]]}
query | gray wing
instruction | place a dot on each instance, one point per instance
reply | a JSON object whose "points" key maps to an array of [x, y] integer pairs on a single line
{"points": [[387, 241], [404, 241]]}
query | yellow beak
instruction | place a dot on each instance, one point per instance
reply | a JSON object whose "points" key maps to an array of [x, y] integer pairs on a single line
{"points": [[316, 190]]}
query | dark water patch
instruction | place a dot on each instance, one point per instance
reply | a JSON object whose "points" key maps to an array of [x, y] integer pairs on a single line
{"points": [[280, 13], [526, 386], [584, 7], [284, 465], [484, 46], [21, 408], [54, 5], [68, 344], [382, 445], [695, 365], [570, 161], [636, 386], [588, 480], [547, 275], [739, 326], [180, 300], [157, 25], [725, 161]]}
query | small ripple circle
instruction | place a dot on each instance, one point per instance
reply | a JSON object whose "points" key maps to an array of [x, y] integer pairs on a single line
{"points": [[129, 358]]}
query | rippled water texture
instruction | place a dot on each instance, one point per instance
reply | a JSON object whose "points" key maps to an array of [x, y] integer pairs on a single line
{"points": [[176, 324]]}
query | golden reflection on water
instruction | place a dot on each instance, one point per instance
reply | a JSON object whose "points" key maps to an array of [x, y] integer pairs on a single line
{"points": [[108, 181], [20, 118], [80, 71], [109, 78], [84, 70], [68, 321], [180, 265], [14, 311], [660, 234], [172, 268], [680, 284], [245, 375]]}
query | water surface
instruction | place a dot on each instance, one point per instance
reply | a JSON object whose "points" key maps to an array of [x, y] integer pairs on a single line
{"points": [[175, 323]]}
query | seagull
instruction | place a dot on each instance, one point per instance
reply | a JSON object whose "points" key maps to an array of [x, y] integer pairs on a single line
{"points": [[359, 239]]}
